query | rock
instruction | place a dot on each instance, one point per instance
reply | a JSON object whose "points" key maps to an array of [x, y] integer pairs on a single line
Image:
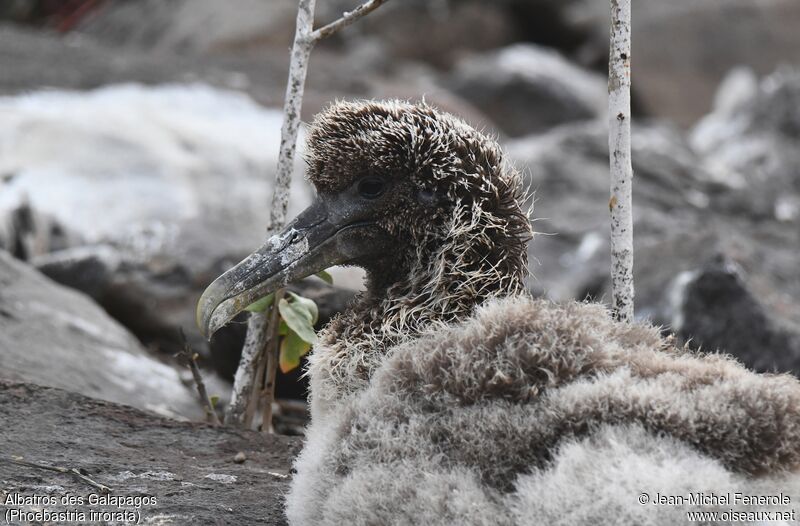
{"points": [[568, 170], [79, 61], [196, 26], [27, 233], [433, 32], [528, 89], [182, 170], [682, 221], [738, 86], [752, 136], [163, 187], [185, 467], [439, 32], [155, 298], [683, 48], [51, 335]]}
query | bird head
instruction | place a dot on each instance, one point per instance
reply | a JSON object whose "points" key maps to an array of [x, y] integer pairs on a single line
{"points": [[414, 196]]}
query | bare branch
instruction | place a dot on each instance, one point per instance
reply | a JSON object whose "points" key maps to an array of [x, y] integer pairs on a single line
{"points": [[245, 374], [243, 400], [254, 397], [619, 145], [257, 340], [347, 18], [292, 106], [272, 351], [191, 360], [58, 469]]}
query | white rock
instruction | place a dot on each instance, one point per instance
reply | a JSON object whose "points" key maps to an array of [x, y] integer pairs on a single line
{"points": [[159, 169]]}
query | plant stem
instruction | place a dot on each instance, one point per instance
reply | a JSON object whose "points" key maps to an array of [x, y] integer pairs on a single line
{"points": [[272, 353], [261, 334], [191, 358], [619, 144], [245, 393], [245, 373]]}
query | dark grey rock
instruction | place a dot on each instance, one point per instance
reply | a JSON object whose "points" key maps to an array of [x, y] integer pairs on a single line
{"points": [[567, 169], [528, 89], [684, 48], [51, 335], [157, 297], [682, 220], [188, 468]]}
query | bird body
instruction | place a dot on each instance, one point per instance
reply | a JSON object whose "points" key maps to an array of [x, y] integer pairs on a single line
{"points": [[447, 395], [531, 412]]}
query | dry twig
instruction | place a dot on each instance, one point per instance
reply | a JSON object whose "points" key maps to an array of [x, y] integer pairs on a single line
{"points": [[19, 461], [191, 359], [258, 337], [346, 19], [272, 352]]}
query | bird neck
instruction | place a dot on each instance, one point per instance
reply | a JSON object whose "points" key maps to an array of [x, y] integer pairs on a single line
{"points": [[405, 297]]}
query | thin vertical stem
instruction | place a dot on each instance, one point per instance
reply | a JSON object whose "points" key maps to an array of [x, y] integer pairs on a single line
{"points": [[245, 373], [619, 144], [258, 328], [272, 352], [292, 106]]}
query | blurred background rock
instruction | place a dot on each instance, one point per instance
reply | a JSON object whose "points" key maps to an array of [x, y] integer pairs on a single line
{"points": [[138, 142]]}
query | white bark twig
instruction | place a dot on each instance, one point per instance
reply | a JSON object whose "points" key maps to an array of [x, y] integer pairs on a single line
{"points": [[304, 40], [292, 106], [257, 340], [619, 144], [346, 19], [245, 373], [257, 323]]}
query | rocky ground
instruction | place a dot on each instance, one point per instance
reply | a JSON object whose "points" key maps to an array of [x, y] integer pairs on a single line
{"points": [[191, 470], [138, 141]]}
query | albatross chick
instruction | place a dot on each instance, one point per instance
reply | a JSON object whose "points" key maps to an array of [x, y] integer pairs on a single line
{"points": [[446, 395]]}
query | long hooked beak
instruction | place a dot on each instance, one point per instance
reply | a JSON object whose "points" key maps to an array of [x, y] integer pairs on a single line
{"points": [[311, 243]]}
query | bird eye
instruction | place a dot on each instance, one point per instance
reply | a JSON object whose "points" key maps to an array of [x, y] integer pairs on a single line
{"points": [[371, 187], [427, 196]]}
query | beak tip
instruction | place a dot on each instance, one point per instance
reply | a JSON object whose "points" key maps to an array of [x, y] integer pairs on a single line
{"points": [[201, 325], [206, 307]]}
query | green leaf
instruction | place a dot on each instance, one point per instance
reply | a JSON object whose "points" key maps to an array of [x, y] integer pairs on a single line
{"points": [[214, 399], [283, 329], [298, 319], [262, 304], [306, 303], [293, 347], [324, 276]]}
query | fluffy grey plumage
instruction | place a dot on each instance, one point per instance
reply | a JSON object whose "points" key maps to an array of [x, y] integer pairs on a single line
{"points": [[445, 395]]}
